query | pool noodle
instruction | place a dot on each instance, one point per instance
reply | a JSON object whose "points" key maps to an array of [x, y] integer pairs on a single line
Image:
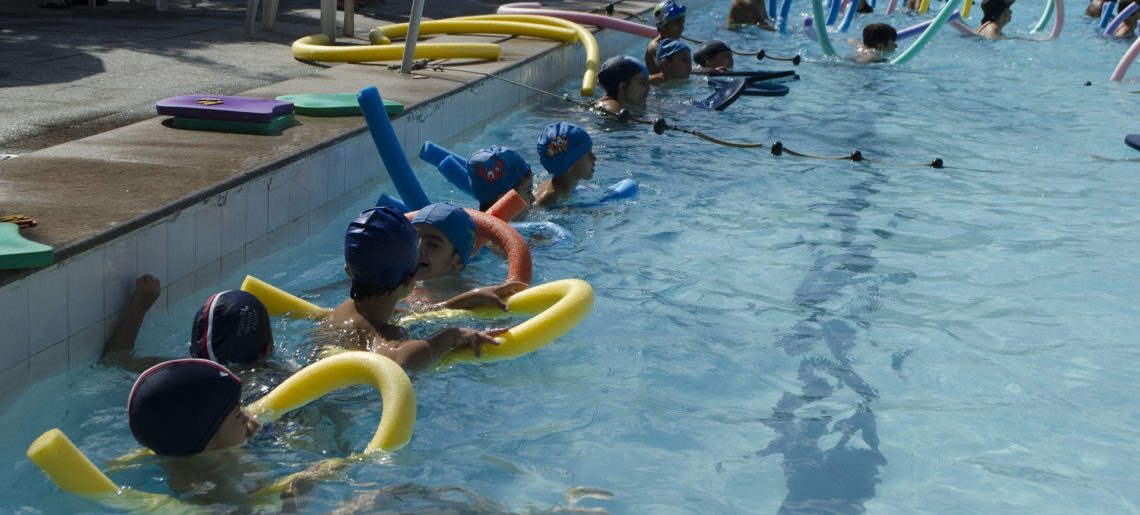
{"points": [[772, 6], [391, 153], [454, 169], [919, 27], [785, 8], [1106, 13], [966, 5], [597, 20], [923, 6], [1126, 61], [832, 11], [392, 202], [1126, 12], [625, 188], [821, 29], [809, 30], [943, 16], [1045, 15], [1058, 20], [433, 154], [891, 6], [850, 16]]}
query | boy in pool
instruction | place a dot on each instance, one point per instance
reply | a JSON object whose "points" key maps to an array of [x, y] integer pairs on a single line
{"points": [[626, 83], [231, 327], [996, 14], [495, 171], [879, 40], [675, 60], [748, 13], [566, 151], [381, 254], [713, 55], [670, 19]]}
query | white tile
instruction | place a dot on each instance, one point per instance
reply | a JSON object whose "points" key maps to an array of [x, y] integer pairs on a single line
{"points": [[257, 209], [234, 213], [233, 269], [85, 347], [334, 176], [120, 270], [370, 165], [208, 234], [278, 212], [300, 194], [409, 138], [13, 383], [49, 362], [180, 246], [320, 218], [47, 308], [318, 178], [85, 289], [152, 251], [15, 346], [179, 291], [209, 277]]}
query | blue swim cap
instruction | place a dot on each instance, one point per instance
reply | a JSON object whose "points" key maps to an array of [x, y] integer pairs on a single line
{"points": [[495, 171], [381, 248], [231, 327], [617, 70], [454, 222], [176, 407], [667, 48], [561, 145], [667, 11]]}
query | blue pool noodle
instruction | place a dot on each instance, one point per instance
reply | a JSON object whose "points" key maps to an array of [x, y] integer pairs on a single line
{"points": [[388, 145], [1120, 17], [454, 169], [435, 154], [1106, 13], [626, 188], [785, 8], [772, 6], [833, 11], [390, 201], [850, 17]]}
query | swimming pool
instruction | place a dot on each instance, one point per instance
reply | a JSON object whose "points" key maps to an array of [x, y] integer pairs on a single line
{"points": [[778, 333]]}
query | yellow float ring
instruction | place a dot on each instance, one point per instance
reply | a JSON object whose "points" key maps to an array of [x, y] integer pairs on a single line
{"points": [[316, 48], [384, 34], [74, 472]]}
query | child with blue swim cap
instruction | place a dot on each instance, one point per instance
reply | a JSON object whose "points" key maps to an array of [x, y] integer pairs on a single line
{"points": [[670, 19], [495, 171], [674, 60], [566, 151], [447, 238], [625, 81], [381, 258]]}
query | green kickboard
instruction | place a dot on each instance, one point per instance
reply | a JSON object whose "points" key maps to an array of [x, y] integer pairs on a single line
{"points": [[333, 104], [16, 252], [275, 126]]}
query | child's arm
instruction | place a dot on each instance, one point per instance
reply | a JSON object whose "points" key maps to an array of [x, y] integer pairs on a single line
{"points": [[488, 296], [121, 344], [421, 354]]}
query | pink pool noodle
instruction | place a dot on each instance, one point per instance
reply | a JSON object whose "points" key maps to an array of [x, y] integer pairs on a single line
{"points": [[596, 20]]}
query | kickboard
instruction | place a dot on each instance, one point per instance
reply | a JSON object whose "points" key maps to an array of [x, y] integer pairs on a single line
{"points": [[757, 89], [1132, 140], [17, 252], [275, 126], [333, 104], [225, 108], [726, 95]]}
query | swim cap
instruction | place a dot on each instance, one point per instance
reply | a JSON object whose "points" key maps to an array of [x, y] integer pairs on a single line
{"points": [[667, 11], [454, 222], [708, 50], [667, 48], [381, 248], [231, 327], [495, 171], [617, 70], [175, 407], [561, 145], [992, 9]]}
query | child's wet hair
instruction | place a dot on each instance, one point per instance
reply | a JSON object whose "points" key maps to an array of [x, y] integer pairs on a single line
{"points": [[877, 35]]}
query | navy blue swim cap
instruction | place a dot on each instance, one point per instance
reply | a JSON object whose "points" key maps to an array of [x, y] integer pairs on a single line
{"points": [[708, 50], [175, 407], [231, 327], [617, 70], [495, 171], [561, 145], [454, 222], [381, 248]]}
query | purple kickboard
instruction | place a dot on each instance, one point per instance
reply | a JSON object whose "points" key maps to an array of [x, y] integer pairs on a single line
{"points": [[222, 107]]}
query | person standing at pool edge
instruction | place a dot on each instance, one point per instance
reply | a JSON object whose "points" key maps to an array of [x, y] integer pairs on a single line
{"points": [[670, 19], [566, 151], [626, 83]]}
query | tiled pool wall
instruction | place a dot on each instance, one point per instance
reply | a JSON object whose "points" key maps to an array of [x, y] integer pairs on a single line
{"points": [[58, 318]]}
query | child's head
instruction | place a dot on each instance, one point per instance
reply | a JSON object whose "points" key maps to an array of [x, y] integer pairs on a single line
{"points": [[381, 253], [880, 36], [231, 327], [495, 171], [674, 58], [447, 237], [714, 53], [997, 11], [670, 18], [187, 406], [625, 79], [565, 149]]}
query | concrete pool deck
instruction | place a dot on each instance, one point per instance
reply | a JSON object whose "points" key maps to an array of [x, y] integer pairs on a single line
{"points": [[118, 193]]}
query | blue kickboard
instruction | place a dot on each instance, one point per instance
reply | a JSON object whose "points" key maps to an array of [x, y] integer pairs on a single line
{"points": [[1133, 140]]}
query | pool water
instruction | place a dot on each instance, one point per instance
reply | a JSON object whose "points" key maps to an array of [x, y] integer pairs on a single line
{"points": [[774, 334]]}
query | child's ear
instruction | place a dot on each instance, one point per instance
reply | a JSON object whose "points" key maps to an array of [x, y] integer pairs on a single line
{"points": [[456, 263]]}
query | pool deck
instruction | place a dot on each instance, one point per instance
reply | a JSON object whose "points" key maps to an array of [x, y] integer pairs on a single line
{"points": [[86, 156]]}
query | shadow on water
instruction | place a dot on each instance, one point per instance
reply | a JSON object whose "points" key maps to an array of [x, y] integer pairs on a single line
{"points": [[842, 477]]}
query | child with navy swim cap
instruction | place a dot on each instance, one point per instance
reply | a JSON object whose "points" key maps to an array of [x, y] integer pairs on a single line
{"points": [[381, 257], [670, 19], [625, 81], [495, 171], [566, 151], [714, 55], [674, 60]]}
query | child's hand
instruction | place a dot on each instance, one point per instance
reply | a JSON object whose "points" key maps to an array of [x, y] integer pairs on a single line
{"points": [[147, 290], [487, 296], [455, 337]]}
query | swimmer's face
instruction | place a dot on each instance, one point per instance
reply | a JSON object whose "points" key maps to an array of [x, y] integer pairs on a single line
{"points": [[721, 60], [634, 91], [672, 29], [234, 431], [677, 66], [437, 255], [583, 168]]}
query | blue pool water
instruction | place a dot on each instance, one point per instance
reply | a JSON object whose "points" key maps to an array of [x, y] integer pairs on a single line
{"points": [[775, 334]]}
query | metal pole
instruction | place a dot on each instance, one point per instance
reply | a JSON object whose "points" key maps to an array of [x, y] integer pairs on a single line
{"points": [[413, 35]]}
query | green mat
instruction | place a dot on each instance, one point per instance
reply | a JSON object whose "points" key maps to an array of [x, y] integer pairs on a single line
{"points": [[333, 104], [275, 126], [16, 252]]}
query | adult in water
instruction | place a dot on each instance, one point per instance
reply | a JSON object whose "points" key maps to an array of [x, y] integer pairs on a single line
{"points": [[996, 14], [749, 13]]}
